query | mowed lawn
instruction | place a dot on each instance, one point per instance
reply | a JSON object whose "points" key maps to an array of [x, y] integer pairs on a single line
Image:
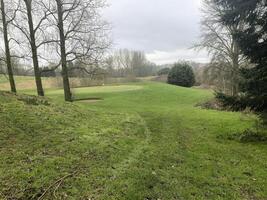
{"points": [[144, 141]]}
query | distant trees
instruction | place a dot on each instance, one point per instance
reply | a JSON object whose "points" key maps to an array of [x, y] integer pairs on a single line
{"points": [[182, 75], [125, 62], [164, 71], [48, 73], [218, 38]]}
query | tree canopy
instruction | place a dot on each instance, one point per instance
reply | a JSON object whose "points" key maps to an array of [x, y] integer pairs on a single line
{"points": [[253, 43]]}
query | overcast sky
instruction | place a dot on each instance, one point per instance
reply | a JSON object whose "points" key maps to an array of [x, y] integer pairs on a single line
{"points": [[163, 29]]}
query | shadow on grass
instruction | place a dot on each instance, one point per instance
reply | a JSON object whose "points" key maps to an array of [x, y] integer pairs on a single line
{"points": [[88, 100], [256, 134]]}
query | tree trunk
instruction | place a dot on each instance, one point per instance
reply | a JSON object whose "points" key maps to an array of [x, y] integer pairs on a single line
{"points": [[65, 76], [8, 56], [37, 72], [235, 74]]}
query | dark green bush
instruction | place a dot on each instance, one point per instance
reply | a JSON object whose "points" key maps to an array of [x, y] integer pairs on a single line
{"points": [[233, 103], [246, 136], [252, 136], [182, 75], [241, 102]]}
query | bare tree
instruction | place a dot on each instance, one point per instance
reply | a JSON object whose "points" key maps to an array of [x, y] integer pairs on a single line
{"points": [[32, 31], [82, 35], [219, 40], [7, 48], [60, 19], [33, 23]]}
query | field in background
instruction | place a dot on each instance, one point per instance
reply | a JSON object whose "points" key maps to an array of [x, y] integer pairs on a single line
{"points": [[28, 82], [142, 141]]}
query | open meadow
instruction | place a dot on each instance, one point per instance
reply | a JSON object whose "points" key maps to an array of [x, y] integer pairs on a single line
{"points": [[142, 140]]}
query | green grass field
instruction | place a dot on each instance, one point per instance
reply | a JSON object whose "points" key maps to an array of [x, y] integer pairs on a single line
{"points": [[144, 141], [4, 79]]}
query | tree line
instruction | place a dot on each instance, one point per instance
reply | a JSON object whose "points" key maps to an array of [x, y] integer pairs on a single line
{"points": [[53, 31], [125, 63]]}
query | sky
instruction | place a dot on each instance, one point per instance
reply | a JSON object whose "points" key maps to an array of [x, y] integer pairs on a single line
{"points": [[164, 29]]}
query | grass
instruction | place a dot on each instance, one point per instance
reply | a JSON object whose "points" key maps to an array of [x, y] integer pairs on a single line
{"points": [[97, 90], [144, 141], [24, 83], [4, 79]]}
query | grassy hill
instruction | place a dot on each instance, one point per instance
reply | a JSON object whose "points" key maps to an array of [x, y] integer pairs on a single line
{"points": [[143, 141]]}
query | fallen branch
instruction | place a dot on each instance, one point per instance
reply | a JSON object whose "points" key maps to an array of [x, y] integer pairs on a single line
{"points": [[57, 184]]}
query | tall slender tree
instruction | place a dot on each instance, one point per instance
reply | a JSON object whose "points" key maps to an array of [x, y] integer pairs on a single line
{"points": [[25, 23], [65, 76], [81, 33], [218, 38], [33, 22], [32, 40], [7, 49]]}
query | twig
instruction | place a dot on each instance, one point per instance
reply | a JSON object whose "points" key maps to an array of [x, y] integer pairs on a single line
{"points": [[57, 189], [57, 183], [1, 194]]}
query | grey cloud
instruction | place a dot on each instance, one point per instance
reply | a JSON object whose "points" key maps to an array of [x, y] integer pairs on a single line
{"points": [[154, 25]]}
